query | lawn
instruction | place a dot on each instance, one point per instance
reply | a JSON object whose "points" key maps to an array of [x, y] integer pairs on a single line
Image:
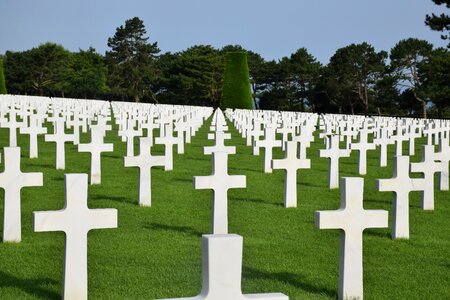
{"points": [[156, 251]]}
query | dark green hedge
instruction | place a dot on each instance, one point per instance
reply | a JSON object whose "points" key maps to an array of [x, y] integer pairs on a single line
{"points": [[236, 92], [2, 79]]}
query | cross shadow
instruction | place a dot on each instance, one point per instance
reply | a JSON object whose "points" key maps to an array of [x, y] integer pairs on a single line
{"points": [[34, 287], [113, 198], [258, 200], [295, 280], [181, 229], [378, 234], [184, 179], [246, 169], [112, 156], [312, 185]]}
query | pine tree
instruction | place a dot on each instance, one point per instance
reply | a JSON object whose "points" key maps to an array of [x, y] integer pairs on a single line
{"points": [[236, 92], [2, 79], [131, 61]]}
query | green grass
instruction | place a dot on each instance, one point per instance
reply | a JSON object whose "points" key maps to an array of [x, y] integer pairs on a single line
{"points": [[156, 252]]}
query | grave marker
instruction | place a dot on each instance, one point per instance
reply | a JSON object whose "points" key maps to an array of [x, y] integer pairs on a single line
{"points": [[351, 219], [401, 184], [12, 180], [145, 161], [291, 164], [75, 220], [220, 182]]}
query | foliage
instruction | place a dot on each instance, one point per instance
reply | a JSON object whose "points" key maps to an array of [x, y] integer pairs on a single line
{"points": [[440, 23], [3, 90], [131, 61], [86, 74], [236, 92], [352, 72], [406, 56], [436, 80], [193, 76]]}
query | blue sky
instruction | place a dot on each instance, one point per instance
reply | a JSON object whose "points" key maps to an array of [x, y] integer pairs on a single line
{"points": [[273, 28]]}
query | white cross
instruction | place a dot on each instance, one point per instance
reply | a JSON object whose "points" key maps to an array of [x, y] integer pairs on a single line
{"points": [[383, 141], [168, 140], [60, 138], [291, 164], [220, 182], [401, 184], [34, 129], [96, 147], [362, 148], [12, 180], [255, 133], [351, 219], [76, 220], [334, 153], [222, 270], [128, 135], [444, 156], [145, 161], [12, 125], [76, 123], [268, 144], [220, 138], [428, 166], [305, 138]]}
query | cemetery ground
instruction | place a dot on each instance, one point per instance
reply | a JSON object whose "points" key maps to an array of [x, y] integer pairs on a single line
{"points": [[156, 251]]}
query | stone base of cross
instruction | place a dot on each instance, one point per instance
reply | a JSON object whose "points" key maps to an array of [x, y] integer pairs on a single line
{"points": [[222, 270]]}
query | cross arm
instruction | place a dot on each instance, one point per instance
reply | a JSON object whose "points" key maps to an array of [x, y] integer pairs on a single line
{"points": [[48, 220], [102, 218], [33, 179]]}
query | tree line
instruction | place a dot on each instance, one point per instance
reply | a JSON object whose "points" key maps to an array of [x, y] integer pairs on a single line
{"points": [[412, 79]]}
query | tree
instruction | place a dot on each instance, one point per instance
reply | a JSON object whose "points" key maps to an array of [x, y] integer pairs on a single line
{"points": [[191, 77], [131, 61], [47, 66], [434, 73], [405, 57], [302, 71], [440, 23], [2, 79], [236, 92], [352, 73], [40, 70], [86, 74]]}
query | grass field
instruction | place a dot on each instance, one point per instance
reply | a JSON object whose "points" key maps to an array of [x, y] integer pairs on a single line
{"points": [[156, 252]]}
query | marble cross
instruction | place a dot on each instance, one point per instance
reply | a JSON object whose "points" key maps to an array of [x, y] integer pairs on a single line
{"points": [[34, 130], [12, 125], [428, 166], [401, 184], [75, 220], [129, 134], [352, 219], [383, 141], [220, 182], [96, 147], [145, 161], [362, 146], [12, 180], [291, 164], [268, 144], [60, 138], [443, 155], [168, 140], [334, 153]]}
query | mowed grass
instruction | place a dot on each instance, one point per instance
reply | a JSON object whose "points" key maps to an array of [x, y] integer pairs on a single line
{"points": [[156, 251]]}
